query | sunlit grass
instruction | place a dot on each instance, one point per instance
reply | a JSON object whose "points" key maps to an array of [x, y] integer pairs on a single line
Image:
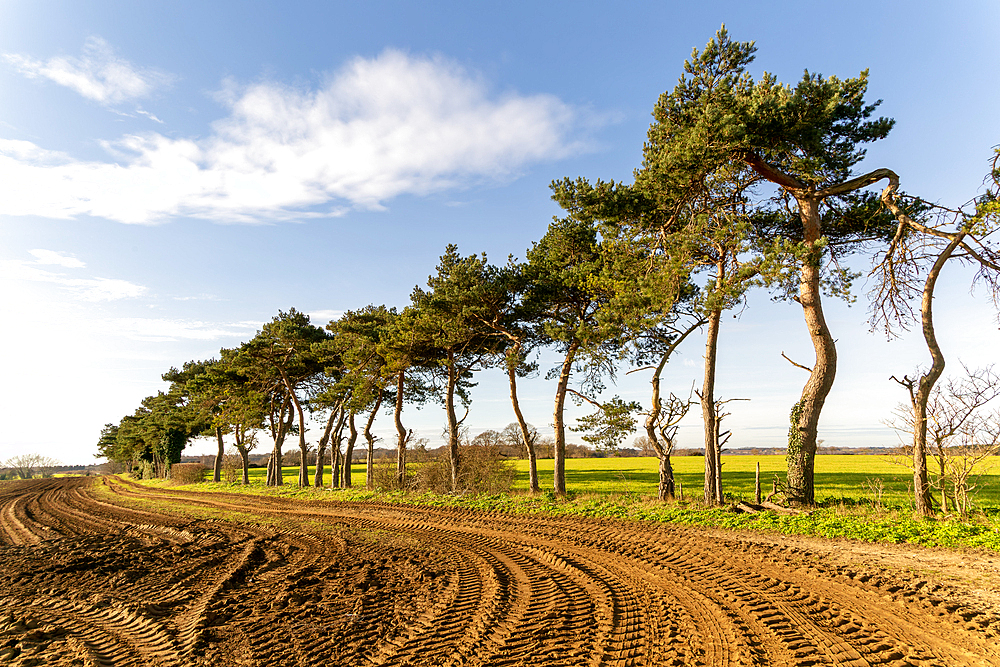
{"points": [[626, 488]]}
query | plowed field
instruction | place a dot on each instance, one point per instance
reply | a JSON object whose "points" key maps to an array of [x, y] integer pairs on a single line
{"points": [[105, 572]]}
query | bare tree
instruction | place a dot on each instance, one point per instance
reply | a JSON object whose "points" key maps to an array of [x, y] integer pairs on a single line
{"points": [[25, 466], [961, 435], [941, 234]]}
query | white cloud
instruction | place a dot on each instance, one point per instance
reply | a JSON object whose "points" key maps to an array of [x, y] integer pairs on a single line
{"points": [[98, 74], [87, 289], [375, 130], [162, 329], [56, 257], [321, 317]]}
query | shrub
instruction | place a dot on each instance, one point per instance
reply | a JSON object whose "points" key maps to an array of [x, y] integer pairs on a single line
{"points": [[232, 468], [187, 473], [484, 469]]}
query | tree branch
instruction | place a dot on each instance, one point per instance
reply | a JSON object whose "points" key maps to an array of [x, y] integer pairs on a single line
{"points": [[770, 172], [858, 183], [793, 363], [589, 400]]}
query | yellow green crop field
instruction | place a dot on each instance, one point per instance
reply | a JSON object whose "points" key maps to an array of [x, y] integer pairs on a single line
{"points": [[849, 477]]}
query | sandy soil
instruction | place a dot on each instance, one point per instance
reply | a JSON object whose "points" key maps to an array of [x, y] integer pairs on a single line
{"points": [[104, 572]]}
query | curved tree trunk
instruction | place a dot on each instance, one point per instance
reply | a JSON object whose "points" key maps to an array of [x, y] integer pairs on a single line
{"points": [[349, 452], [217, 470], [529, 442], [708, 412], [559, 464], [665, 489], [802, 436], [921, 487]]}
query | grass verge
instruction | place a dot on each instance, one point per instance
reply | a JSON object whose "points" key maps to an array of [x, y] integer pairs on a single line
{"points": [[844, 510]]}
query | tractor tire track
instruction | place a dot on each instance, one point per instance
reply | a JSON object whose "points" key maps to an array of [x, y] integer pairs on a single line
{"points": [[116, 573]]}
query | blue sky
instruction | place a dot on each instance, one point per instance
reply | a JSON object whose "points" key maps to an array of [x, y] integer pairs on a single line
{"points": [[175, 173]]}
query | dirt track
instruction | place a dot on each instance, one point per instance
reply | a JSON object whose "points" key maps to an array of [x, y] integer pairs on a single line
{"points": [[105, 572]]}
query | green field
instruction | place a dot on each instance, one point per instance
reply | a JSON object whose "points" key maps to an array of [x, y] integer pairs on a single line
{"points": [[837, 478], [626, 488]]}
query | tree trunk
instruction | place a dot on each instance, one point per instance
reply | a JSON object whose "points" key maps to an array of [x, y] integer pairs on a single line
{"points": [[453, 453], [349, 453], [400, 433], [921, 487], [270, 470], [303, 460], [559, 464], [802, 435], [665, 490], [711, 424], [335, 418], [277, 478], [370, 440], [529, 443], [335, 465], [245, 459], [217, 471]]}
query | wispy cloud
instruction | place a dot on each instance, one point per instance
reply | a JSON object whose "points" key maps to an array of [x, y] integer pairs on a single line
{"points": [[378, 128], [165, 329], [56, 257], [87, 289], [98, 74]]}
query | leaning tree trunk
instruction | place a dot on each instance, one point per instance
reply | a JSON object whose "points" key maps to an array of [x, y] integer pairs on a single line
{"points": [[805, 415], [921, 486], [400, 433], [349, 452], [217, 470], [370, 440], [708, 410], [453, 452], [665, 489], [337, 415], [559, 464], [529, 442]]}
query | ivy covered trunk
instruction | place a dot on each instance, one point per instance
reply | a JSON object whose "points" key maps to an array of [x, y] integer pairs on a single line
{"points": [[665, 491], [805, 415]]}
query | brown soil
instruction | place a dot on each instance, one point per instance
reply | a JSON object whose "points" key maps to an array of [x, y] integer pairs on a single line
{"points": [[107, 572]]}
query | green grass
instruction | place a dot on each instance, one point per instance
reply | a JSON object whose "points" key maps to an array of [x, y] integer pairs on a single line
{"points": [[626, 488], [836, 477]]}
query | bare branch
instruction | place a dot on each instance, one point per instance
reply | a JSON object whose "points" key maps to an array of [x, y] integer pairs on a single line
{"points": [[794, 363], [858, 183]]}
